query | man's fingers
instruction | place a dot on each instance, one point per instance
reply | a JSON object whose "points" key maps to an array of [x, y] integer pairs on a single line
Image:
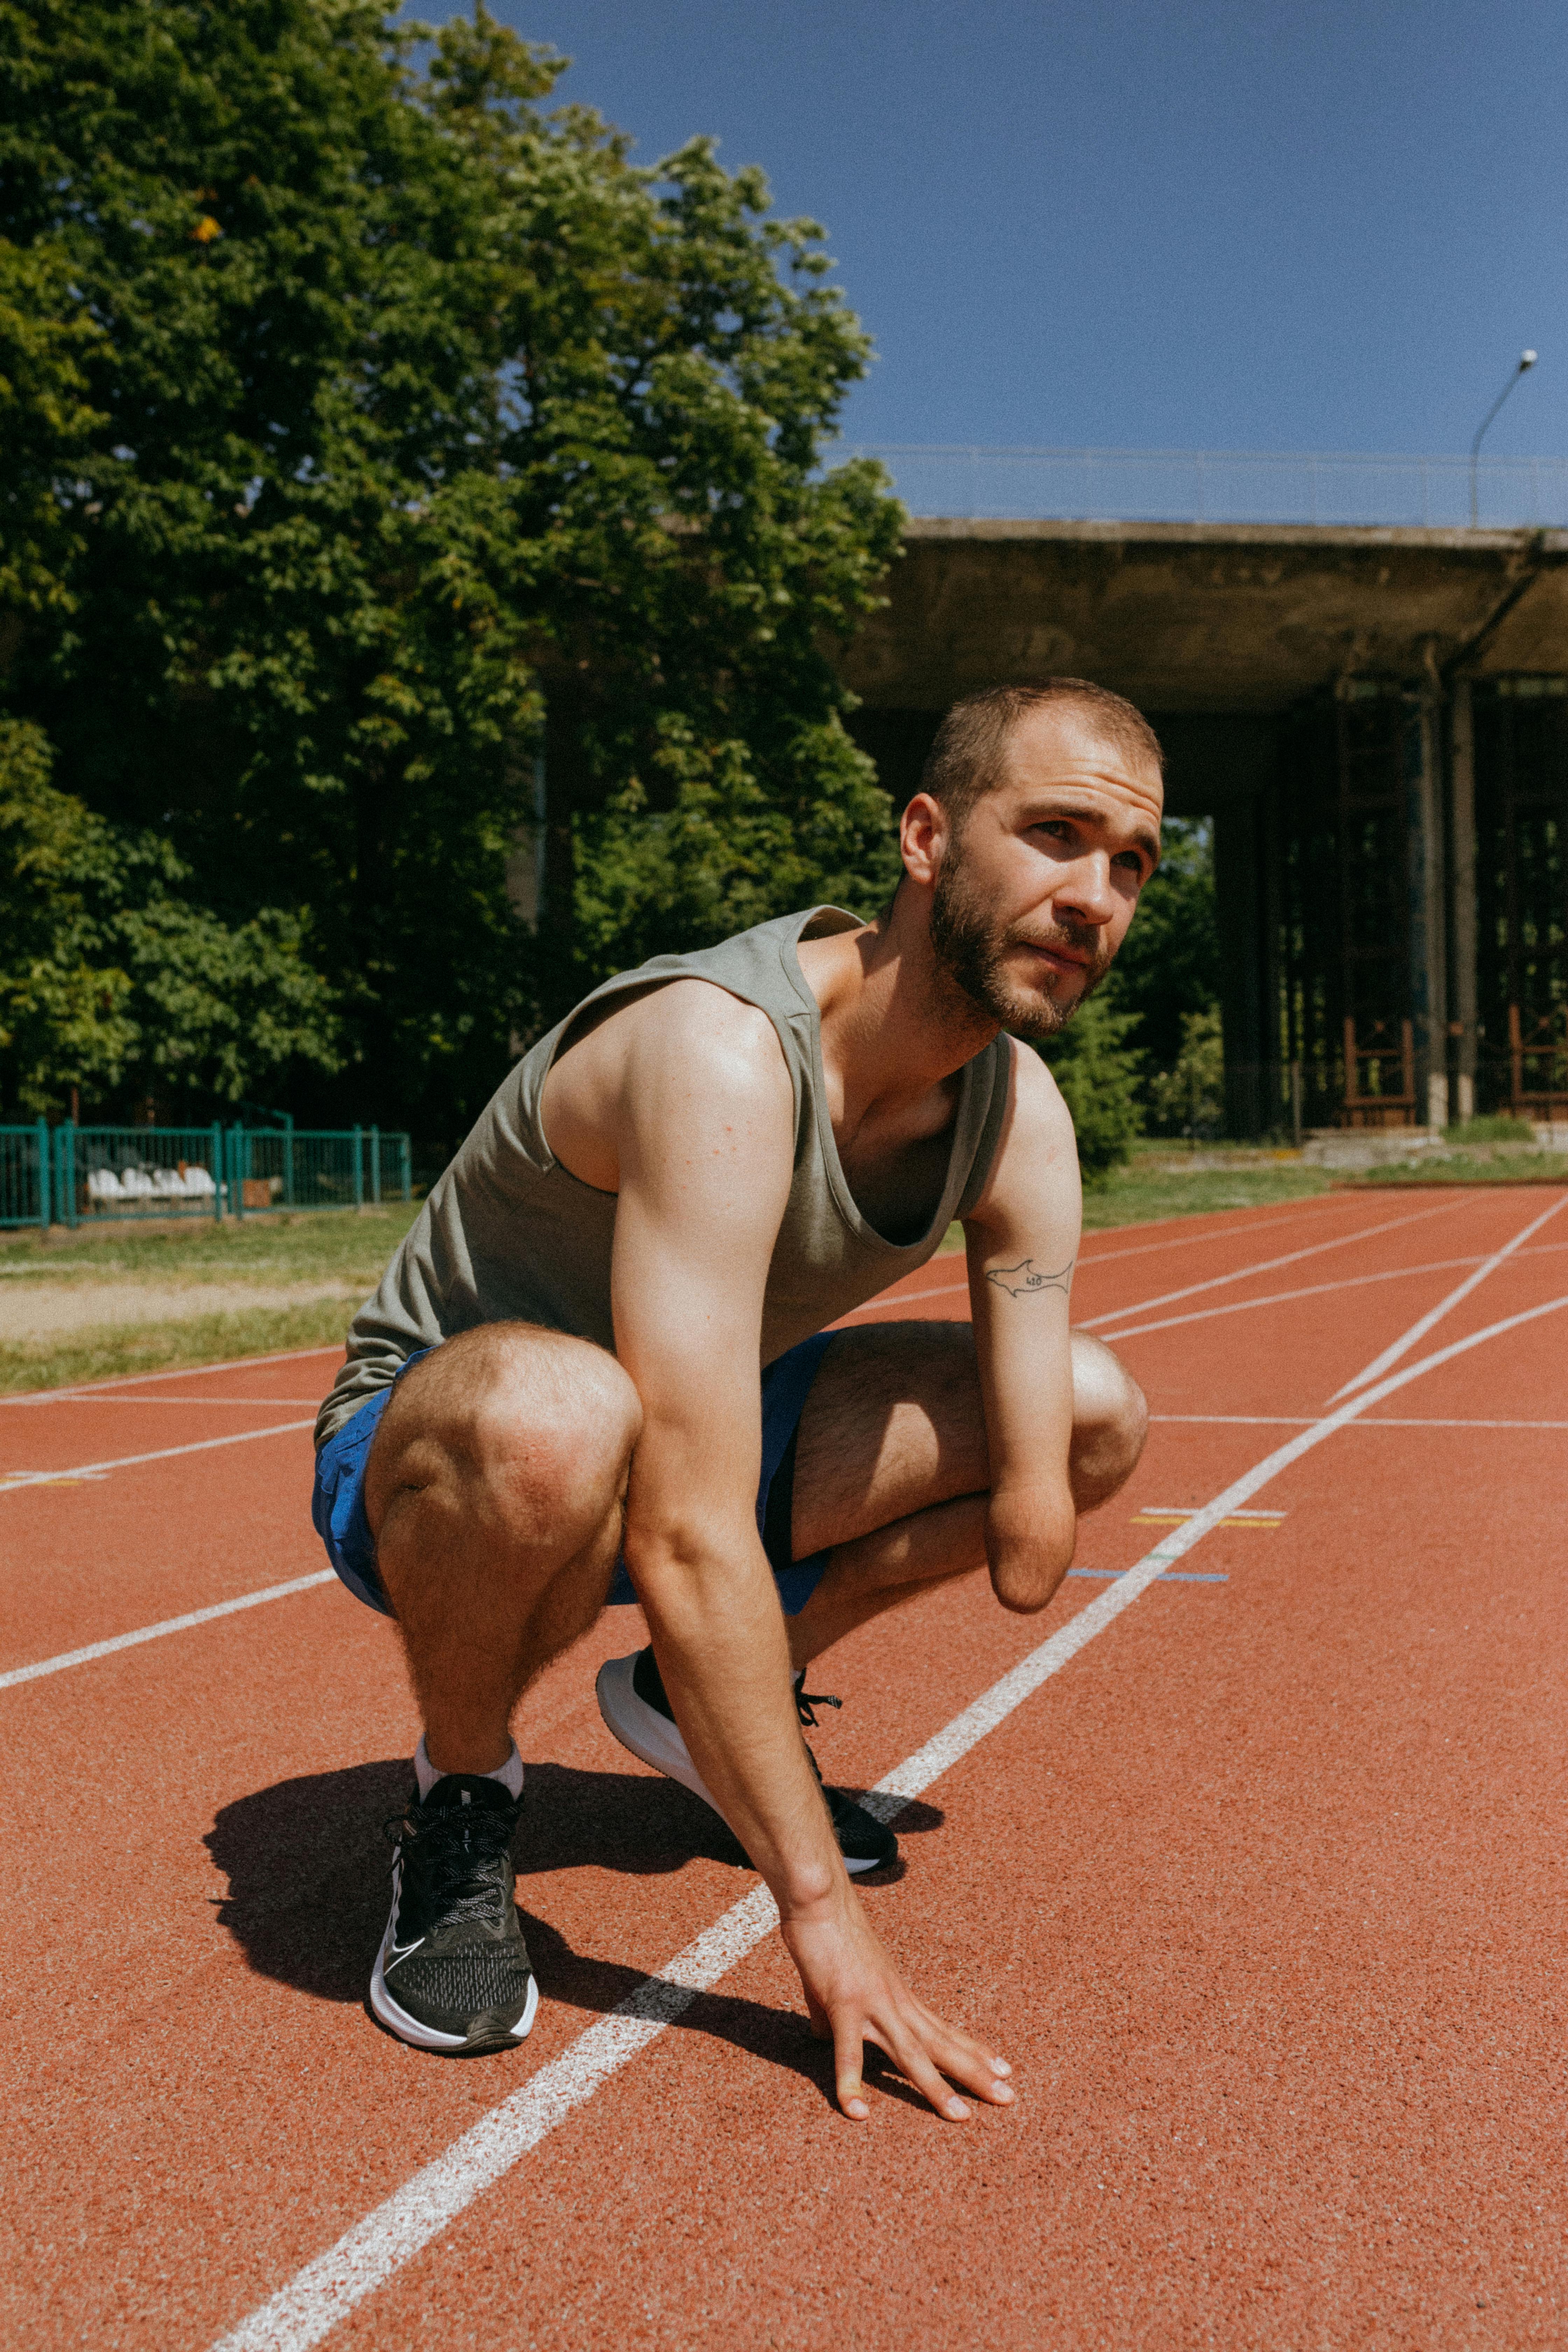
{"points": [[971, 2063], [848, 2057], [925, 2055], [908, 2054], [924, 2051], [817, 2018]]}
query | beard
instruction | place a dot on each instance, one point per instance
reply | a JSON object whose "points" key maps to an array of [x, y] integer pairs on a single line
{"points": [[971, 949]]}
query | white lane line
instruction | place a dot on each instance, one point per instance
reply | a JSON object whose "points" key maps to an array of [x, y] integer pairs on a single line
{"points": [[17, 1481], [1283, 1298], [1390, 1356], [325, 1575], [1270, 1264], [327, 2289], [178, 1372], [1188, 1240], [1383, 1421], [72, 1396], [1276, 1298], [155, 1633], [1215, 1282]]}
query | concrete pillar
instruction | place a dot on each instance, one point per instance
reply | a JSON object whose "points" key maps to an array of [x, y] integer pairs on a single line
{"points": [[1463, 865], [1236, 862], [1270, 966], [1428, 896]]}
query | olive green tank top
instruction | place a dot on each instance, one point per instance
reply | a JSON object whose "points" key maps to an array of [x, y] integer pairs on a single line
{"points": [[508, 1234]]}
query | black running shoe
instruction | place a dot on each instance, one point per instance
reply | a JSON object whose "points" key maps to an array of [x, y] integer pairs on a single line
{"points": [[633, 1703], [864, 1843], [453, 1971]]}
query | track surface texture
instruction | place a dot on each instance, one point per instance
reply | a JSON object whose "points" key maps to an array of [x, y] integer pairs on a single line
{"points": [[1256, 1879]]}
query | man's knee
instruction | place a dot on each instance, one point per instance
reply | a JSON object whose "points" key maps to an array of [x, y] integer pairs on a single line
{"points": [[1110, 1422], [529, 1429]]}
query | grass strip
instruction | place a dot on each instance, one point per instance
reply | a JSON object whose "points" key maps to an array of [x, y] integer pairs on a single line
{"points": [[1520, 1168], [1143, 1196], [117, 1349], [269, 1250]]}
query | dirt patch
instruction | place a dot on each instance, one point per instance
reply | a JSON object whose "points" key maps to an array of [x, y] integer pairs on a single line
{"points": [[40, 1310]]}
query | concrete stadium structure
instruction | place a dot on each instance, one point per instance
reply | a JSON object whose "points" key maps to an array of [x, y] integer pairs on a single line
{"points": [[1376, 719]]}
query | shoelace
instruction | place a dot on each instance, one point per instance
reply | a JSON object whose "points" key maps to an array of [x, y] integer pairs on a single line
{"points": [[808, 1702], [451, 1851]]}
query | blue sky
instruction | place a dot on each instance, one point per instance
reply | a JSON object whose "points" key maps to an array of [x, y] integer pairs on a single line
{"points": [[1216, 223]]}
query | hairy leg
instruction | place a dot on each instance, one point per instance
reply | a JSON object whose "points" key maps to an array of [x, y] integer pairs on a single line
{"points": [[892, 1471], [495, 1491]]}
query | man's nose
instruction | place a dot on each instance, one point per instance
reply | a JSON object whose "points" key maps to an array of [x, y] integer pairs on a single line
{"points": [[1084, 889]]}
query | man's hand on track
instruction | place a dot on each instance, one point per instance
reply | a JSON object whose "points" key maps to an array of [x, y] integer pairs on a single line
{"points": [[855, 1995]]}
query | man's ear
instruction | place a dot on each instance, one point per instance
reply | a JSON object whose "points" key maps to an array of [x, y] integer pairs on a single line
{"points": [[923, 838]]}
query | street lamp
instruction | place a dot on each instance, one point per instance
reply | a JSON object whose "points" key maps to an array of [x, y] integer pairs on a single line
{"points": [[1526, 361]]}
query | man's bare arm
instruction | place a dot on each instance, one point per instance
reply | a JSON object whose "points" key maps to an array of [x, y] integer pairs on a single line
{"points": [[1022, 1242], [705, 1150], [704, 1136]]}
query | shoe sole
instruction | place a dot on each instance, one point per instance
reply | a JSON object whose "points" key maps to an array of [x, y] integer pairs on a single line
{"points": [[408, 2029], [653, 1740]]}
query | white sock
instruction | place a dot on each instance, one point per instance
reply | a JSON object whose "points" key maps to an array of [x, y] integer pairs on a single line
{"points": [[510, 1775]]}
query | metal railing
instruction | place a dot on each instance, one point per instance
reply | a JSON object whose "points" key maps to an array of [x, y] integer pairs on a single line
{"points": [[1281, 1102], [90, 1175], [137, 1171], [963, 483], [24, 1175], [300, 1168]]}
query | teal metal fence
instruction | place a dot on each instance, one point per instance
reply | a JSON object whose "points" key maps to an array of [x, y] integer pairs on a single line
{"points": [[272, 1168], [89, 1175], [102, 1172], [25, 1189]]}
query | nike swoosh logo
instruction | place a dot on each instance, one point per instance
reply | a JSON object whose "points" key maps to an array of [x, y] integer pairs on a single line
{"points": [[396, 1952]]}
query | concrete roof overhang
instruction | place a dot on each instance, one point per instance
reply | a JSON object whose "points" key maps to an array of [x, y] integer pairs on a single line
{"points": [[1206, 616]]}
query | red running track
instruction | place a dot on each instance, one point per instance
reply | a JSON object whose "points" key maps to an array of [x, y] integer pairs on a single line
{"points": [[1259, 1888]]}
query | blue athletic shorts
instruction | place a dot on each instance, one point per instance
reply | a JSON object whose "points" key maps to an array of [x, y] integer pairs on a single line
{"points": [[337, 1504]]}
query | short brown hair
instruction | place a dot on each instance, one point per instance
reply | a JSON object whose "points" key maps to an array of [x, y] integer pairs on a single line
{"points": [[965, 760]]}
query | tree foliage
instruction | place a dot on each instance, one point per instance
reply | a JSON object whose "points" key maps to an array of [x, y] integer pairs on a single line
{"points": [[1098, 1071], [1163, 993], [369, 426], [1168, 966], [112, 979], [1189, 1098]]}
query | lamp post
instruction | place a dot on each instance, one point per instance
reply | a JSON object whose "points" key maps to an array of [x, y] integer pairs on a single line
{"points": [[1526, 361]]}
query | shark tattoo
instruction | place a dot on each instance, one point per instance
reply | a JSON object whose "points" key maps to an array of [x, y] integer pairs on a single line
{"points": [[1026, 1277]]}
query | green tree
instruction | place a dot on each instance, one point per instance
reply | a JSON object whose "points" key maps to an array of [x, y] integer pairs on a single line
{"points": [[112, 980], [1098, 1072], [1189, 1098], [1168, 966], [399, 428], [45, 426], [675, 364]]}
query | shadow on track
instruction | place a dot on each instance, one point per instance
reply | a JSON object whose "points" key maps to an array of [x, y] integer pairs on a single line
{"points": [[307, 1874], [307, 1868]]}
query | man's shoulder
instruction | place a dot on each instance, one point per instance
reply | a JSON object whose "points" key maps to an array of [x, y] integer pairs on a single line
{"points": [[1039, 1108], [707, 1024], [692, 1059]]}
